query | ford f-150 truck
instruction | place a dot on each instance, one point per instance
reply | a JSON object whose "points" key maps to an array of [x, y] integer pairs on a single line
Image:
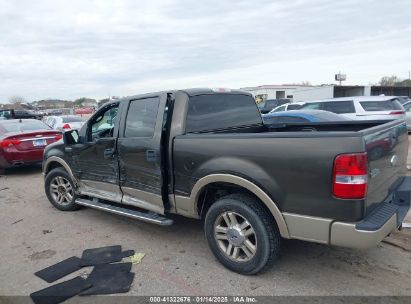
{"points": [[206, 154]]}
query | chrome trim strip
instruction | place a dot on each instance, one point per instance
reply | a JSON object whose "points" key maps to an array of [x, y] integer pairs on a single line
{"points": [[128, 213], [36, 138], [188, 206]]}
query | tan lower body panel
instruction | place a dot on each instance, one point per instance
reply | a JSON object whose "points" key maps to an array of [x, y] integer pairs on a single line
{"points": [[345, 234], [308, 228]]}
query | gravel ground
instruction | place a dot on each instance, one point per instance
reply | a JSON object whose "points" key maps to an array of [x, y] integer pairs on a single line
{"points": [[178, 262]]}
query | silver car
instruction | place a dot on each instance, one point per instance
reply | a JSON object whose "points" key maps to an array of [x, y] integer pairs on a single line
{"points": [[361, 107], [407, 107], [64, 123]]}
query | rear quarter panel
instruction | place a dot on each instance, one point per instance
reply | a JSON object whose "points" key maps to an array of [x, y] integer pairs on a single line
{"points": [[294, 169]]}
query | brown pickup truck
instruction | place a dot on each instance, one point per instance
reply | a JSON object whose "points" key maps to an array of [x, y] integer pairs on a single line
{"points": [[207, 154]]}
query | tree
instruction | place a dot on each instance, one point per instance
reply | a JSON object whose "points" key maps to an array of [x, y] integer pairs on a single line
{"points": [[389, 81], [17, 100]]}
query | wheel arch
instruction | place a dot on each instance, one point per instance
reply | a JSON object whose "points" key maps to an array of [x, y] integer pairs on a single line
{"points": [[192, 205], [54, 162]]}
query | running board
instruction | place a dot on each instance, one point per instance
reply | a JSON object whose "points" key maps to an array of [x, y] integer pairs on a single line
{"points": [[150, 217]]}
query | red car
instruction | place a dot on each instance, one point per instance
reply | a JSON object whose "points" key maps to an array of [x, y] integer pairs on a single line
{"points": [[22, 141]]}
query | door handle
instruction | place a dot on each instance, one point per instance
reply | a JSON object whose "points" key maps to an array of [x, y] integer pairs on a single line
{"points": [[151, 155], [109, 153]]}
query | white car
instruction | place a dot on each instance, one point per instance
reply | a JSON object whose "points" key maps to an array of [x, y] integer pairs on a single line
{"points": [[288, 107], [361, 107], [407, 107], [66, 122]]}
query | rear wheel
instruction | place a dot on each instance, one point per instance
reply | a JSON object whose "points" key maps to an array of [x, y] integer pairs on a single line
{"points": [[242, 234], [60, 190]]}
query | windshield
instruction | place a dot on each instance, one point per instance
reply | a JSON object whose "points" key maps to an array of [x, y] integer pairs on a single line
{"points": [[23, 125]]}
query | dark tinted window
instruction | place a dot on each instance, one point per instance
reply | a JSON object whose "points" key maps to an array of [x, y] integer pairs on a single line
{"points": [[24, 125], [381, 105], [339, 107], [219, 111], [312, 106], [284, 119], [141, 118], [293, 107]]}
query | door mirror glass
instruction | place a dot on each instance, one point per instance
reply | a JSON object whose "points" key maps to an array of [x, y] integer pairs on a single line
{"points": [[71, 137]]}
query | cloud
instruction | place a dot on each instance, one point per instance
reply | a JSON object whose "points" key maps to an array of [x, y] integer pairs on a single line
{"points": [[69, 49]]}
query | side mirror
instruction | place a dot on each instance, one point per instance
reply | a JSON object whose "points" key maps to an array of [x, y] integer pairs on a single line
{"points": [[71, 137]]}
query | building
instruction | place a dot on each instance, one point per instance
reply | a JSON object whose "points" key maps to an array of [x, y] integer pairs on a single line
{"points": [[307, 92]]}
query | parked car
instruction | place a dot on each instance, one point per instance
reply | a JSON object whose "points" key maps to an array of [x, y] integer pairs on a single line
{"points": [[66, 122], [7, 114], [361, 107], [22, 141], [302, 116], [288, 107], [26, 114], [403, 99], [206, 154], [266, 106], [407, 107]]}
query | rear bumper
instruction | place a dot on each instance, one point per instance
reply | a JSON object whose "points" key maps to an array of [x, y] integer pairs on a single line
{"points": [[383, 220], [15, 159]]}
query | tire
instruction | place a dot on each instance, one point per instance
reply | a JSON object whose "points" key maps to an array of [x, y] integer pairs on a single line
{"points": [[55, 181], [266, 239]]}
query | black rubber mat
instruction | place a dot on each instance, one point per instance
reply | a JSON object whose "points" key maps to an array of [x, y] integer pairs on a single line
{"points": [[59, 270], [109, 283], [60, 292], [110, 279], [102, 255]]}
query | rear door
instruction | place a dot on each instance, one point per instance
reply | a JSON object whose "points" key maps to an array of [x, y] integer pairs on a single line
{"points": [[140, 155]]}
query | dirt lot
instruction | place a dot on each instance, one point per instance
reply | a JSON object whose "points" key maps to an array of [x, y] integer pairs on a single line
{"points": [[34, 235]]}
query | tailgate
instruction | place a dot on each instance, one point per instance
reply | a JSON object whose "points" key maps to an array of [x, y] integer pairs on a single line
{"points": [[387, 148]]}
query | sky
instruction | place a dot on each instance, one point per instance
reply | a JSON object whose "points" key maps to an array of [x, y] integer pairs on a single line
{"points": [[75, 48]]}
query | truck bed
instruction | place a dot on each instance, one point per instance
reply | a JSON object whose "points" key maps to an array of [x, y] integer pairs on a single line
{"points": [[293, 163]]}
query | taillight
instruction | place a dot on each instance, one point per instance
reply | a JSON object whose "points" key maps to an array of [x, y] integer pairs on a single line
{"points": [[9, 142], [397, 112], [350, 176], [58, 137], [66, 126]]}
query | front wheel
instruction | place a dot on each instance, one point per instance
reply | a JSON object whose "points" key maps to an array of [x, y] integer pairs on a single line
{"points": [[242, 234], [60, 190]]}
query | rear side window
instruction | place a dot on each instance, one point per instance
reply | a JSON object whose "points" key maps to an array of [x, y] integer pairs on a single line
{"points": [[220, 111], [142, 117], [339, 107], [293, 107], [312, 106], [381, 105]]}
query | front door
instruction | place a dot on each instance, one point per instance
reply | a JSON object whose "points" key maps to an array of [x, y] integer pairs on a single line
{"points": [[95, 161], [139, 154]]}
